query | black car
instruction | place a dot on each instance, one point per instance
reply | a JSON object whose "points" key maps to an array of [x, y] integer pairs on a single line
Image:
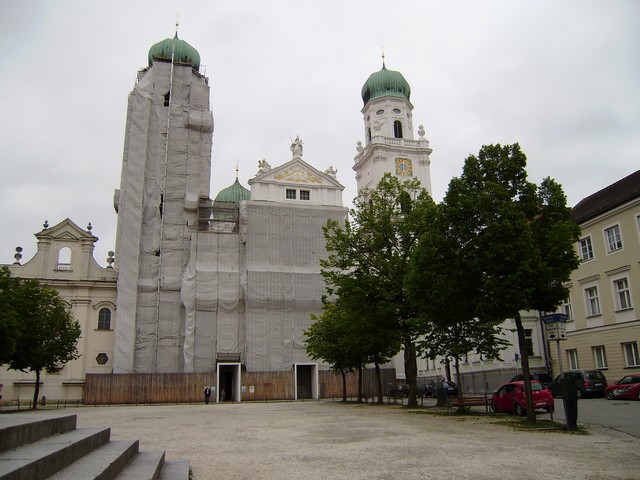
{"points": [[590, 383], [543, 378]]}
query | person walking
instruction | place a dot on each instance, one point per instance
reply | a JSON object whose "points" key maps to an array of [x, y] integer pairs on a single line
{"points": [[207, 394]]}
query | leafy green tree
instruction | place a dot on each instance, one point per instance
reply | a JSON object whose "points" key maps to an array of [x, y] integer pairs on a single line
{"points": [[520, 235], [328, 339], [8, 315], [443, 284], [47, 332], [371, 253]]}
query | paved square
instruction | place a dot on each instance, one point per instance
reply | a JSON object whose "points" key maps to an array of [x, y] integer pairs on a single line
{"points": [[325, 440]]}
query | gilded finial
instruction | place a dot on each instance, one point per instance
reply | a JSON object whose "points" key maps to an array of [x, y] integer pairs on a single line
{"points": [[383, 65], [237, 168], [177, 23]]}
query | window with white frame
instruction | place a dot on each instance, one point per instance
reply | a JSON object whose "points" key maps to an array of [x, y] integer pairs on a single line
{"points": [[623, 296], [572, 356], [631, 357], [600, 357], [614, 239], [586, 249], [291, 194], [305, 195], [566, 307], [593, 303]]}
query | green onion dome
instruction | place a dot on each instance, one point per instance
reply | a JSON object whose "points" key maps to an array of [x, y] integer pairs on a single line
{"points": [[234, 193], [385, 83], [177, 49]]}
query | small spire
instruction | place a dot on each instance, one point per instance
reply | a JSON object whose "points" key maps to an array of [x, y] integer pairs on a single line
{"points": [[177, 23], [383, 64], [237, 169]]}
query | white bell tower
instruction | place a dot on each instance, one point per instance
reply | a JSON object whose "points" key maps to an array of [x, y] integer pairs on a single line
{"points": [[389, 141]]}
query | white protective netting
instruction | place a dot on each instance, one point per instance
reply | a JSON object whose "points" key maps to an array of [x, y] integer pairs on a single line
{"points": [[166, 165], [284, 286]]}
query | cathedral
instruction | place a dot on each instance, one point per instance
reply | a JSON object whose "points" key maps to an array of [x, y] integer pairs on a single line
{"points": [[225, 284]]}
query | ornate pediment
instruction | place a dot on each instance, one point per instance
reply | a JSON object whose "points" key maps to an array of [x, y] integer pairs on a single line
{"points": [[296, 171], [67, 231], [297, 174]]}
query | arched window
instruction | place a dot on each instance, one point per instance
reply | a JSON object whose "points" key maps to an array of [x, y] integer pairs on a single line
{"points": [[64, 258], [397, 129], [104, 319]]}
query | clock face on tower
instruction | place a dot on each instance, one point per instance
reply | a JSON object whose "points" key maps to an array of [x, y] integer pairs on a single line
{"points": [[403, 167]]}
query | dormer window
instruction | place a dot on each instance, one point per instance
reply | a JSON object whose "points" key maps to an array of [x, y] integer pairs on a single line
{"points": [[397, 129]]}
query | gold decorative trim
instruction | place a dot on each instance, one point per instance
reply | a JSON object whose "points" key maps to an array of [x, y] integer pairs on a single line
{"points": [[298, 175]]}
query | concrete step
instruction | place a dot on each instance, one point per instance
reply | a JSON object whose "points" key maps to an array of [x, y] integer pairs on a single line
{"points": [[51, 454], [104, 463], [175, 470], [145, 466], [22, 428]]}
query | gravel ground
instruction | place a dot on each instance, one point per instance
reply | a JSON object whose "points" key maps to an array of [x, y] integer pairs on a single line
{"points": [[326, 440]]}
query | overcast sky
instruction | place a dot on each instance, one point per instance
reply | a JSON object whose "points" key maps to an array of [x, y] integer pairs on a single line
{"points": [[562, 78]]}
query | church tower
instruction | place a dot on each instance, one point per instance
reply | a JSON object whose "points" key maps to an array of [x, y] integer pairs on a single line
{"points": [[390, 146], [165, 172]]}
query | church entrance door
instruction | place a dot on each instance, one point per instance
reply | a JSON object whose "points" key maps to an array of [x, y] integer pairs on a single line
{"points": [[228, 381]]}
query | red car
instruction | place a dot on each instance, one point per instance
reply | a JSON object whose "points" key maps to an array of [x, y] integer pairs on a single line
{"points": [[510, 398], [627, 387]]}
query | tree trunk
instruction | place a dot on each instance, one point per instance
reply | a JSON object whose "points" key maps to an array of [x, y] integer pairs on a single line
{"points": [[36, 391], [344, 385], [458, 382], [411, 370], [379, 381], [447, 368], [522, 344]]}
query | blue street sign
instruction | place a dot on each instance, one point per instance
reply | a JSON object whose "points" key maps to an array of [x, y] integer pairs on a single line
{"points": [[555, 318]]}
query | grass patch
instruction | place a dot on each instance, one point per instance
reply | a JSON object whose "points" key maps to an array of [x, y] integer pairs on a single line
{"points": [[512, 421]]}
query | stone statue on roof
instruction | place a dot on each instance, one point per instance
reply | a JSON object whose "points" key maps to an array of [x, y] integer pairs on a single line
{"points": [[296, 148]]}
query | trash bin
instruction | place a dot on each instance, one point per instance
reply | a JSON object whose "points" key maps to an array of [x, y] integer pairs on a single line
{"points": [[570, 399], [441, 396]]}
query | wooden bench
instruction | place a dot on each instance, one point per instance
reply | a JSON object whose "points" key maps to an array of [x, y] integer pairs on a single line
{"points": [[469, 400]]}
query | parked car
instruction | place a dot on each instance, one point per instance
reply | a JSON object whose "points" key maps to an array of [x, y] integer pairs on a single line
{"points": [[450, 387], [544, 378], [510, 398], [627, 387], [590, 383]]}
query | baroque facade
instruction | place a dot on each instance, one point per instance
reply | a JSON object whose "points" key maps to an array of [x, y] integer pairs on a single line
{"points": [[64, 261], [222, 285]]}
